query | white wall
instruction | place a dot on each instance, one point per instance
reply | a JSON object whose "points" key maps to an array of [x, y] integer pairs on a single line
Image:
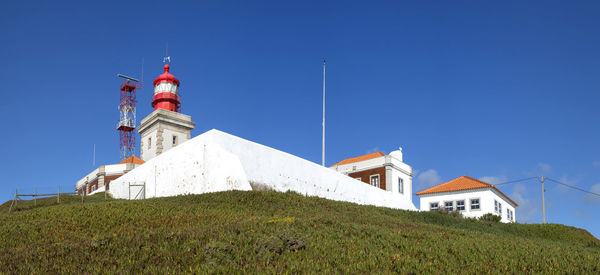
{"points": [[263, 166], [168, 138], [486, 201], [145, 152], [191, 168]]}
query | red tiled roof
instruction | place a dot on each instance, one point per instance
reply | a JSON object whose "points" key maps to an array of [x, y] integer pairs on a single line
{"points": [[360, 158], [460, 184], [132, 159]]}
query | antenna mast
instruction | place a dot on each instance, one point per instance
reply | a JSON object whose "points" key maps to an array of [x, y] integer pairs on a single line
{"points": [[167, 58], [127, 121], [323, 151]]}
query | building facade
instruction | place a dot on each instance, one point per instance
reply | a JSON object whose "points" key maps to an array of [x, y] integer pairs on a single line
{"points": [[471, 197], [100, 178], [387, 172]]}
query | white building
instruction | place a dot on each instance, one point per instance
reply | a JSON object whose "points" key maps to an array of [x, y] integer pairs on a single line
{"points": [[100, 178], [216, 161], [473, 198], [387, 172]]}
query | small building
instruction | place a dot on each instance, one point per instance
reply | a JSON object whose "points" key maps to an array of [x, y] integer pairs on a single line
{"points": [[101, 177], [472, 197], [387, 172]]}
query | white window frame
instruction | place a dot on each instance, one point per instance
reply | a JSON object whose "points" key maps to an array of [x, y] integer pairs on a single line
{"points": [[378, 180], [446, 208], [508, 214], [464, 205], [174, 140], [400, 185], [496, 206], [438, 206], [149, 142], [478, 204], [500, 209]]}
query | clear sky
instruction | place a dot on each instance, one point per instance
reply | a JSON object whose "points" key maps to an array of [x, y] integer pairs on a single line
{"points": [[497, 91]]}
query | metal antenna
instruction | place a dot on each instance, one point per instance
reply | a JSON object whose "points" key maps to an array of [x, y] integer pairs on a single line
{"points": [[142, 72], [323, 151], [167, 58]]}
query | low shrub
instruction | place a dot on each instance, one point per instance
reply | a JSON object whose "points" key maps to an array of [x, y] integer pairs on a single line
{"points": [[489, 217]]}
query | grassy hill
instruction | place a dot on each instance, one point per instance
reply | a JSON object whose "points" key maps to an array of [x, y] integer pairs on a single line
{"points": [[275, 232]]}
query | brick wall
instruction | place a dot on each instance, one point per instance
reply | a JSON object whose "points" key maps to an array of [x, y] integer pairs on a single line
{"points": [[365, 176]]}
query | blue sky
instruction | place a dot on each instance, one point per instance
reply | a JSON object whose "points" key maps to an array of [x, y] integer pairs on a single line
{"points": [[498, 91]]}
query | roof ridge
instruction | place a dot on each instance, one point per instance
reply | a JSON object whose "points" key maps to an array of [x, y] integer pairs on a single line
{"points": [[358, 158]]}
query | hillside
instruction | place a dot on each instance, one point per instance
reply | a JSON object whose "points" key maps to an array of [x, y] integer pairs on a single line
{"points": [[274, 232]]}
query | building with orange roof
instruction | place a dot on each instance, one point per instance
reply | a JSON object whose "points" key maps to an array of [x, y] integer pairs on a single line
{"points": [[472, 197], [387, 172], [99, 179]]}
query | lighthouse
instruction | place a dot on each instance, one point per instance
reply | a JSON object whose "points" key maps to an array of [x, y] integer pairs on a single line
{"points": [[165, 92], [166, 127]]}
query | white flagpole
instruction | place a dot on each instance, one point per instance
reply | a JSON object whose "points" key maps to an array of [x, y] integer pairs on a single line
{"points": [[323, 152]]}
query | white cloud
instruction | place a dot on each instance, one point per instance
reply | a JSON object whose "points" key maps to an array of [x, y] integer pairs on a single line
{"points": [[545, 168], [493, 179], [591, 198], [528, 209], [428, 178]]}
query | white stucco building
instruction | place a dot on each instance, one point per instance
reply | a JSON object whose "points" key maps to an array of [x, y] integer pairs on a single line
{"points": [[472, 197], [100, 178], [387, 172], [216, 161]]}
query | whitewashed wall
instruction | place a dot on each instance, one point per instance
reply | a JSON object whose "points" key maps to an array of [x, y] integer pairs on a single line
{"points": [[486, 201], [263, 166], [191, 168]]}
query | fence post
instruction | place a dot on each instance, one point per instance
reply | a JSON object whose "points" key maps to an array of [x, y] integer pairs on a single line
{"points": [[34, 197], [58, 195], [16, 197]]}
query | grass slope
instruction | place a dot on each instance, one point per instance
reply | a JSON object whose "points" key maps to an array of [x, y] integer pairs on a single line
{"points": [[275, 232]]}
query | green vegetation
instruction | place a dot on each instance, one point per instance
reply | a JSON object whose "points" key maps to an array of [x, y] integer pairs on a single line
{"points": [[267, 232]]}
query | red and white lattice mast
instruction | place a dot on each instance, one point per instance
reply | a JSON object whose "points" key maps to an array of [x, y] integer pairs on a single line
{"points": [[127, 119]]}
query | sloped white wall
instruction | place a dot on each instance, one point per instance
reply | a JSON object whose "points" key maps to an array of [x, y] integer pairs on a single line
{"points": [[191, 168], [261, 165]]}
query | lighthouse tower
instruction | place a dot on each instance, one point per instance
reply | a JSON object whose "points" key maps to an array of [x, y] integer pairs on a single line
{"points": [[165, 127]]}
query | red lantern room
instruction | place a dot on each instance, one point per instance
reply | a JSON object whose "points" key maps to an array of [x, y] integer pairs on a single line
{"points": [[165, 92]]}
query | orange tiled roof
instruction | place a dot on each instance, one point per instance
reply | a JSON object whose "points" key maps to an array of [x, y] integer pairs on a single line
{"points": [[132, 159], [360, 158], [460, 184]]}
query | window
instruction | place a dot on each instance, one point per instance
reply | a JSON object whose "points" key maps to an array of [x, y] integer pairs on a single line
{"points": [[434, 206], [400, 186], [474, 204], [496, 206], [508, 214], [449, 205], [500, 209], [149, 142], [174, 140], [375, 180], [460, 205]]}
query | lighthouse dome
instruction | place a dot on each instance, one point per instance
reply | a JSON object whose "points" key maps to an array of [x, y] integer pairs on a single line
{"points": [[166, 77]]}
